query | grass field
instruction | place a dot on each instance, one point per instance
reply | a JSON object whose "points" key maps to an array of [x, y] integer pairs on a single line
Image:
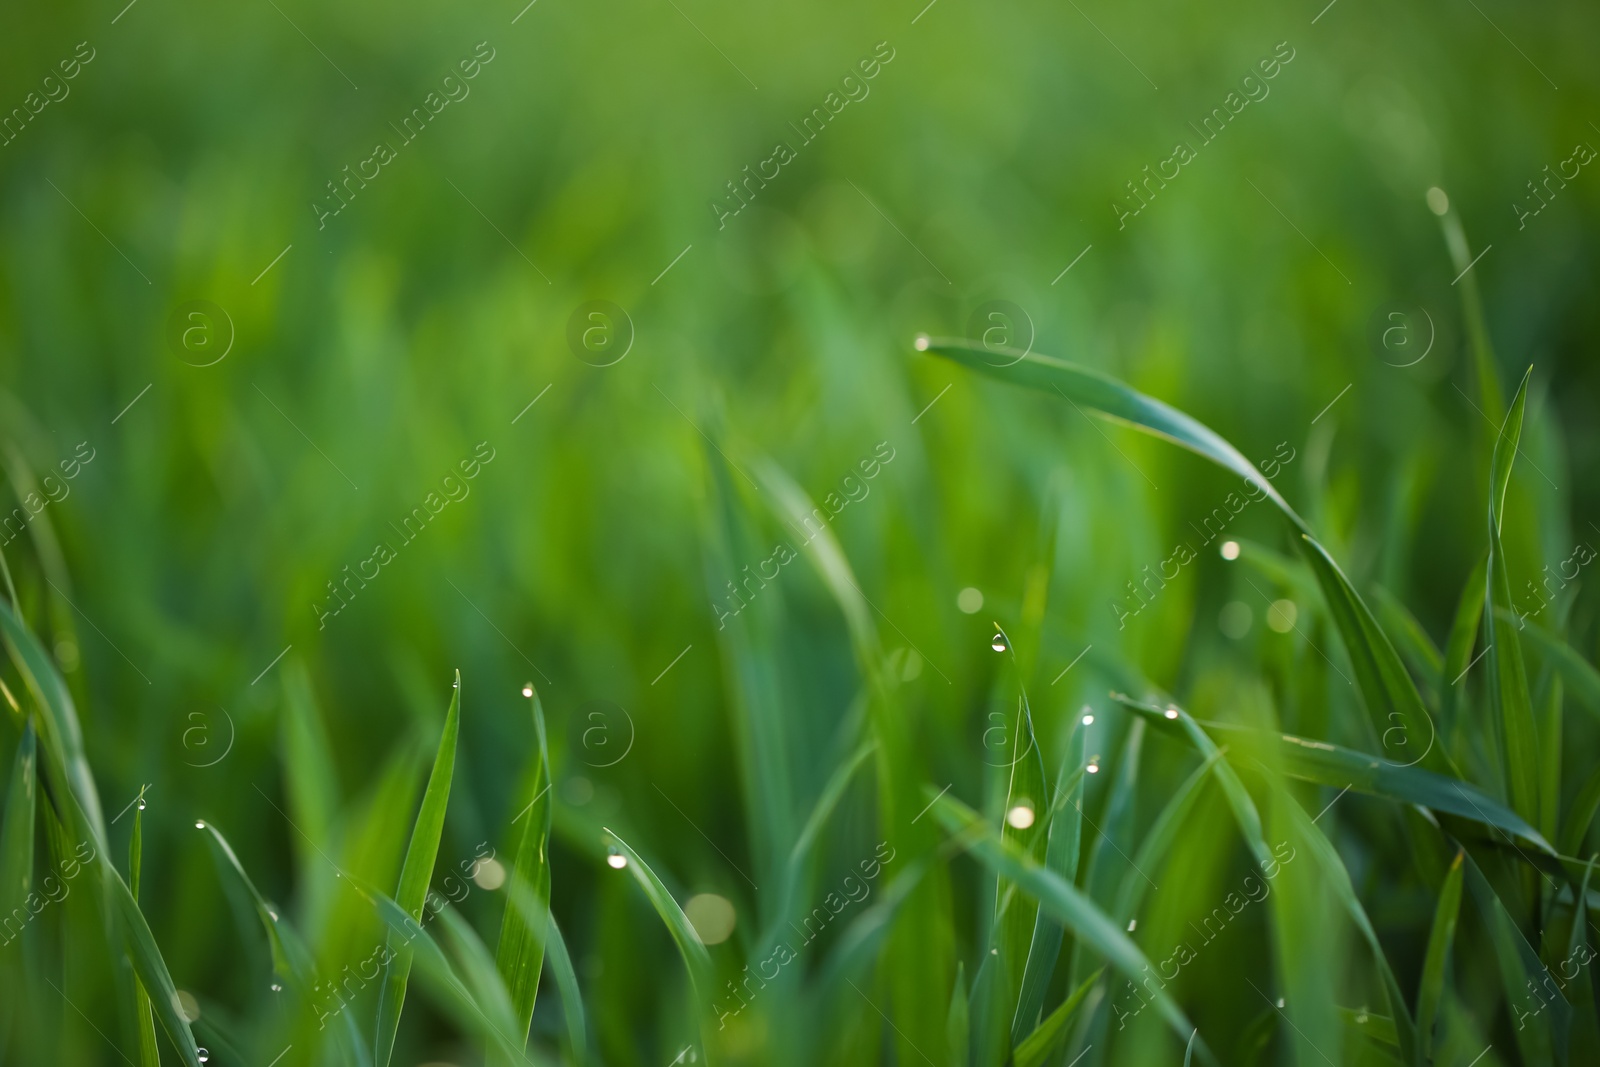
{"points": [[695, 534]]}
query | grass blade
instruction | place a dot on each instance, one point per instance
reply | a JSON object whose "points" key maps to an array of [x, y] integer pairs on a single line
{"points": [[1037, 1048], [520, 954], [1065, 902], [415, 874], [16, 838], [1578, 673], [1065, 840], [1332, 765], [1431, 988], [694, 954], [1507, 676], [144, 1016]]}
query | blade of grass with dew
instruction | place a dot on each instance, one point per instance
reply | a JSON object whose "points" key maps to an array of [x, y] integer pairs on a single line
{"points": [[1023, 825], [1507, 679], [415, 874], [1037, 1048], [1238, 797], [292, 961], [1543, 1038], [690, 947], [1431, 987], [520, 953], [1384, 683], [144, 1016], [1332, 765], [1066, 902], [1064, 818]]}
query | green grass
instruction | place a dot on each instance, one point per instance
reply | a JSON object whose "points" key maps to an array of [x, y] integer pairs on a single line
{"points": [[914, 656]]}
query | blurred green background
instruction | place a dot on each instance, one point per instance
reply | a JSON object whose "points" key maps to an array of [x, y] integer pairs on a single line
{"points": [[383, 348]]}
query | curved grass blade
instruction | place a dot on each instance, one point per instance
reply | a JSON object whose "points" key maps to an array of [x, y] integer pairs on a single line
{"points": [[1540, 1036], [1328, 764], [1037, 1048], [1507, 676], [290, 959], [1159, 839], [415, 874], [520, 954], [1386, 687], [144, 1016], [694, 954], [1431, 988], [1065, 902], [1238, 797], [1111, 399]]}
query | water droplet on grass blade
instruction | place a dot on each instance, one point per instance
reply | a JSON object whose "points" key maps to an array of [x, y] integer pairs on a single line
{"points": [[527, 689], [998, 642]]}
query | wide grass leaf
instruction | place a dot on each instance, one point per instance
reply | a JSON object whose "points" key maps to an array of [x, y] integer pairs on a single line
{"points": [[415, 874]]}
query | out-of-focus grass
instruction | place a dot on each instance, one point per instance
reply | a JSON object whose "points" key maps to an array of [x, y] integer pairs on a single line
{"points": [[1416, 733]]}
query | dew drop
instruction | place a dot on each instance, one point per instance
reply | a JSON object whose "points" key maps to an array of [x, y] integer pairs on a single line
{"points": [[527, 689], [616, 859], [1093, 768], [1171, 713], [998, 641], [1131, 924], [276, 988], [141, 805], [921, 342], [1020, 817], [1088, 720], [1230, 550], [1280, 1002], [199, 824], [202, 1055]]}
